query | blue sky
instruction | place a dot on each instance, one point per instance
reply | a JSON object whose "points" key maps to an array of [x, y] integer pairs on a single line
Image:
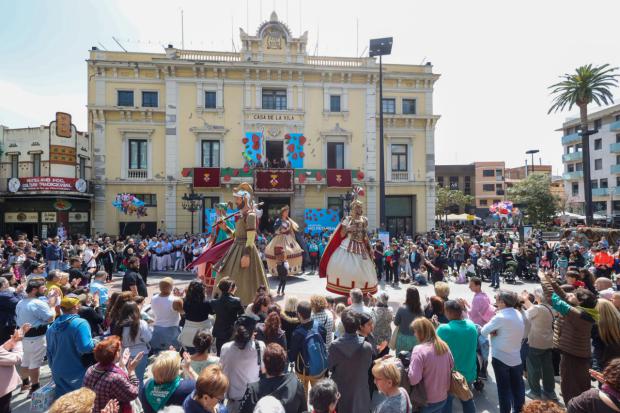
{"points": [[496, 58]]}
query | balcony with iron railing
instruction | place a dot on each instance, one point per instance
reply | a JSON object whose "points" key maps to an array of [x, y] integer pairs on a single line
{"points": [[137, 173], [572, 176], [571, 138], [400, 176], [573, 156]]}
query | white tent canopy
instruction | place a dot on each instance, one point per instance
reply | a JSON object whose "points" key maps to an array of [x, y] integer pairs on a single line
{"points": [[458, 217]]}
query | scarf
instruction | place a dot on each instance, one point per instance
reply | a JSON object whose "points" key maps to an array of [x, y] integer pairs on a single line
{"points": [[157, 395], [592, 312]]}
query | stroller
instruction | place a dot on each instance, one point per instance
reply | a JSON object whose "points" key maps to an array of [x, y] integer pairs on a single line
{"points": [[510, 271]]}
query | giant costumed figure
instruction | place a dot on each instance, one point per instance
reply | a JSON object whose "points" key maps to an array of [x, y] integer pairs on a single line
{"points": [[284, 243], [347, 262]]}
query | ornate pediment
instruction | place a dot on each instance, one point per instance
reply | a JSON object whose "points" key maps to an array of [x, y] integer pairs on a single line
{"points": [[337, 131], [207, 128]]}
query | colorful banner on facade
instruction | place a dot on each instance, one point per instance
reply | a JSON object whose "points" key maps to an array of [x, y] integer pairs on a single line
{"points": [[62, 155], [339, 178], [253, 147], [210, 218], [206, 177], [273, 180], [295, 149], [319, 220]]}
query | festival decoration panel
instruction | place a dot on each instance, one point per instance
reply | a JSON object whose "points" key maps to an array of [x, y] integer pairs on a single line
{"points": [[253, 147], [295, 149], [318, 220]]}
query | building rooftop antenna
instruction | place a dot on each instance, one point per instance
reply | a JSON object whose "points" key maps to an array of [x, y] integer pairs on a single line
{"points": [[119, 44]]}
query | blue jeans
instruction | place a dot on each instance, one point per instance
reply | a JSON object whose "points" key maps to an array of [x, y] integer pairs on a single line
{"points": [[53, 265], [510, 386], [141, 368], [164, 337], [495, 278], [433, 407], [468, 407]]}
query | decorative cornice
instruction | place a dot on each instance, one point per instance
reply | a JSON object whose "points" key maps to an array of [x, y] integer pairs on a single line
{"points": [[209, 129], [136, 131], [338, 132]]}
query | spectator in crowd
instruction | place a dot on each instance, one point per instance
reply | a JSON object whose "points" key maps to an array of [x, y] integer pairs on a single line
{"points": [[406, 313], [132, 281], [324, 396], [90, 310], [383, 316], [68, 340], [76, 401], [211, 387], [270, 331], [606, 335], [166, 308], [297, 349], [481, 311], [323, 316], [357, 302], [431, 364], [37, 313], [241, 360], [135, 335], [349, 360], [507, 330], [202, 357], [606, 398], [435, 310], [11, 354], [76, 273], [461, 336], [167, 387], [539, 359], [196, 309], [277, 383], [98, 287], [572, 335], [8, 303], [289, 317], [53, 255], [226, 309], [110, 379], [387, 379]]}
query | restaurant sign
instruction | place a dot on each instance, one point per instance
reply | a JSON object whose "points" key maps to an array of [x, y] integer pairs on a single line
{"points": [[18, 217], [46, 183]]}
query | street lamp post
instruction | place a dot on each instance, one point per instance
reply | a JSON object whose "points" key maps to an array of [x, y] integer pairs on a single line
{"points": [[192, 202], [531, 152], [381, 47]]}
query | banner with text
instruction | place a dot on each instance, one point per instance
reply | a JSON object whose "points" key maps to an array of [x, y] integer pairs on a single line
{"points": [[318, 220]]}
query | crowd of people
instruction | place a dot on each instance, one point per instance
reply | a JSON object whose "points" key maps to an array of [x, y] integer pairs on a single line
{"points": [[125, 350]]}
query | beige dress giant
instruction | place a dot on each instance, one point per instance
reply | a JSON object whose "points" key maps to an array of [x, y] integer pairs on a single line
{"points": [[284, 242], [247, 279]]}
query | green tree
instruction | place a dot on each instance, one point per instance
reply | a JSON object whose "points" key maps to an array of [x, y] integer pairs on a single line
{"points": [[586, 85], [447, 198], [534, 193]]}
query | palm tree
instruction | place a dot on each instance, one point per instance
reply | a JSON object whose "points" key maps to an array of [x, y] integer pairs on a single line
{"points": [[588, 84]]}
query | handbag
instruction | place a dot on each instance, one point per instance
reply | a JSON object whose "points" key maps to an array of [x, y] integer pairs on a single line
{"points": [[394, 338], [417, 396], [459, 387]]}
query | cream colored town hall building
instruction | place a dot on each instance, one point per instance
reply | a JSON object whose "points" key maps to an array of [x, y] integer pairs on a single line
{"points": [[163, 122]]}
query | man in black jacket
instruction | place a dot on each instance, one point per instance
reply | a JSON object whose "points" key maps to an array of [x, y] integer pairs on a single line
{"points": [[285, 387], [227, 308], [132, 281]]}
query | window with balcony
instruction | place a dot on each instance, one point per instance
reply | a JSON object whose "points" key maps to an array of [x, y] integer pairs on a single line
{"points": [[82, 166], [440, 180], [603, 183], [150, 200], [570, 167], [150, 99], [617, 117], [594, 184], [575, 189], [454, 182], [335, 155], [124, 97], [497, 201], [389, 106], [600, 206], [274, 99], [570, 149], [598, 123], [210, 99], [334, 103], [210, 154], [335, 203], [618, 181], [578, 167], [399, 162], [488, 172], [488, 187], [617, 137], [409, 106], [598, 164], [598, 144], [498, 173], [467, 187], [36, 164], [483, 202], [138, 167], [14, 166], [617, 159]]}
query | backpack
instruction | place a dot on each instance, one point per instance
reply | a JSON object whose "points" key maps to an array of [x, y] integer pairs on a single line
{"points": [[314, 352]]}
